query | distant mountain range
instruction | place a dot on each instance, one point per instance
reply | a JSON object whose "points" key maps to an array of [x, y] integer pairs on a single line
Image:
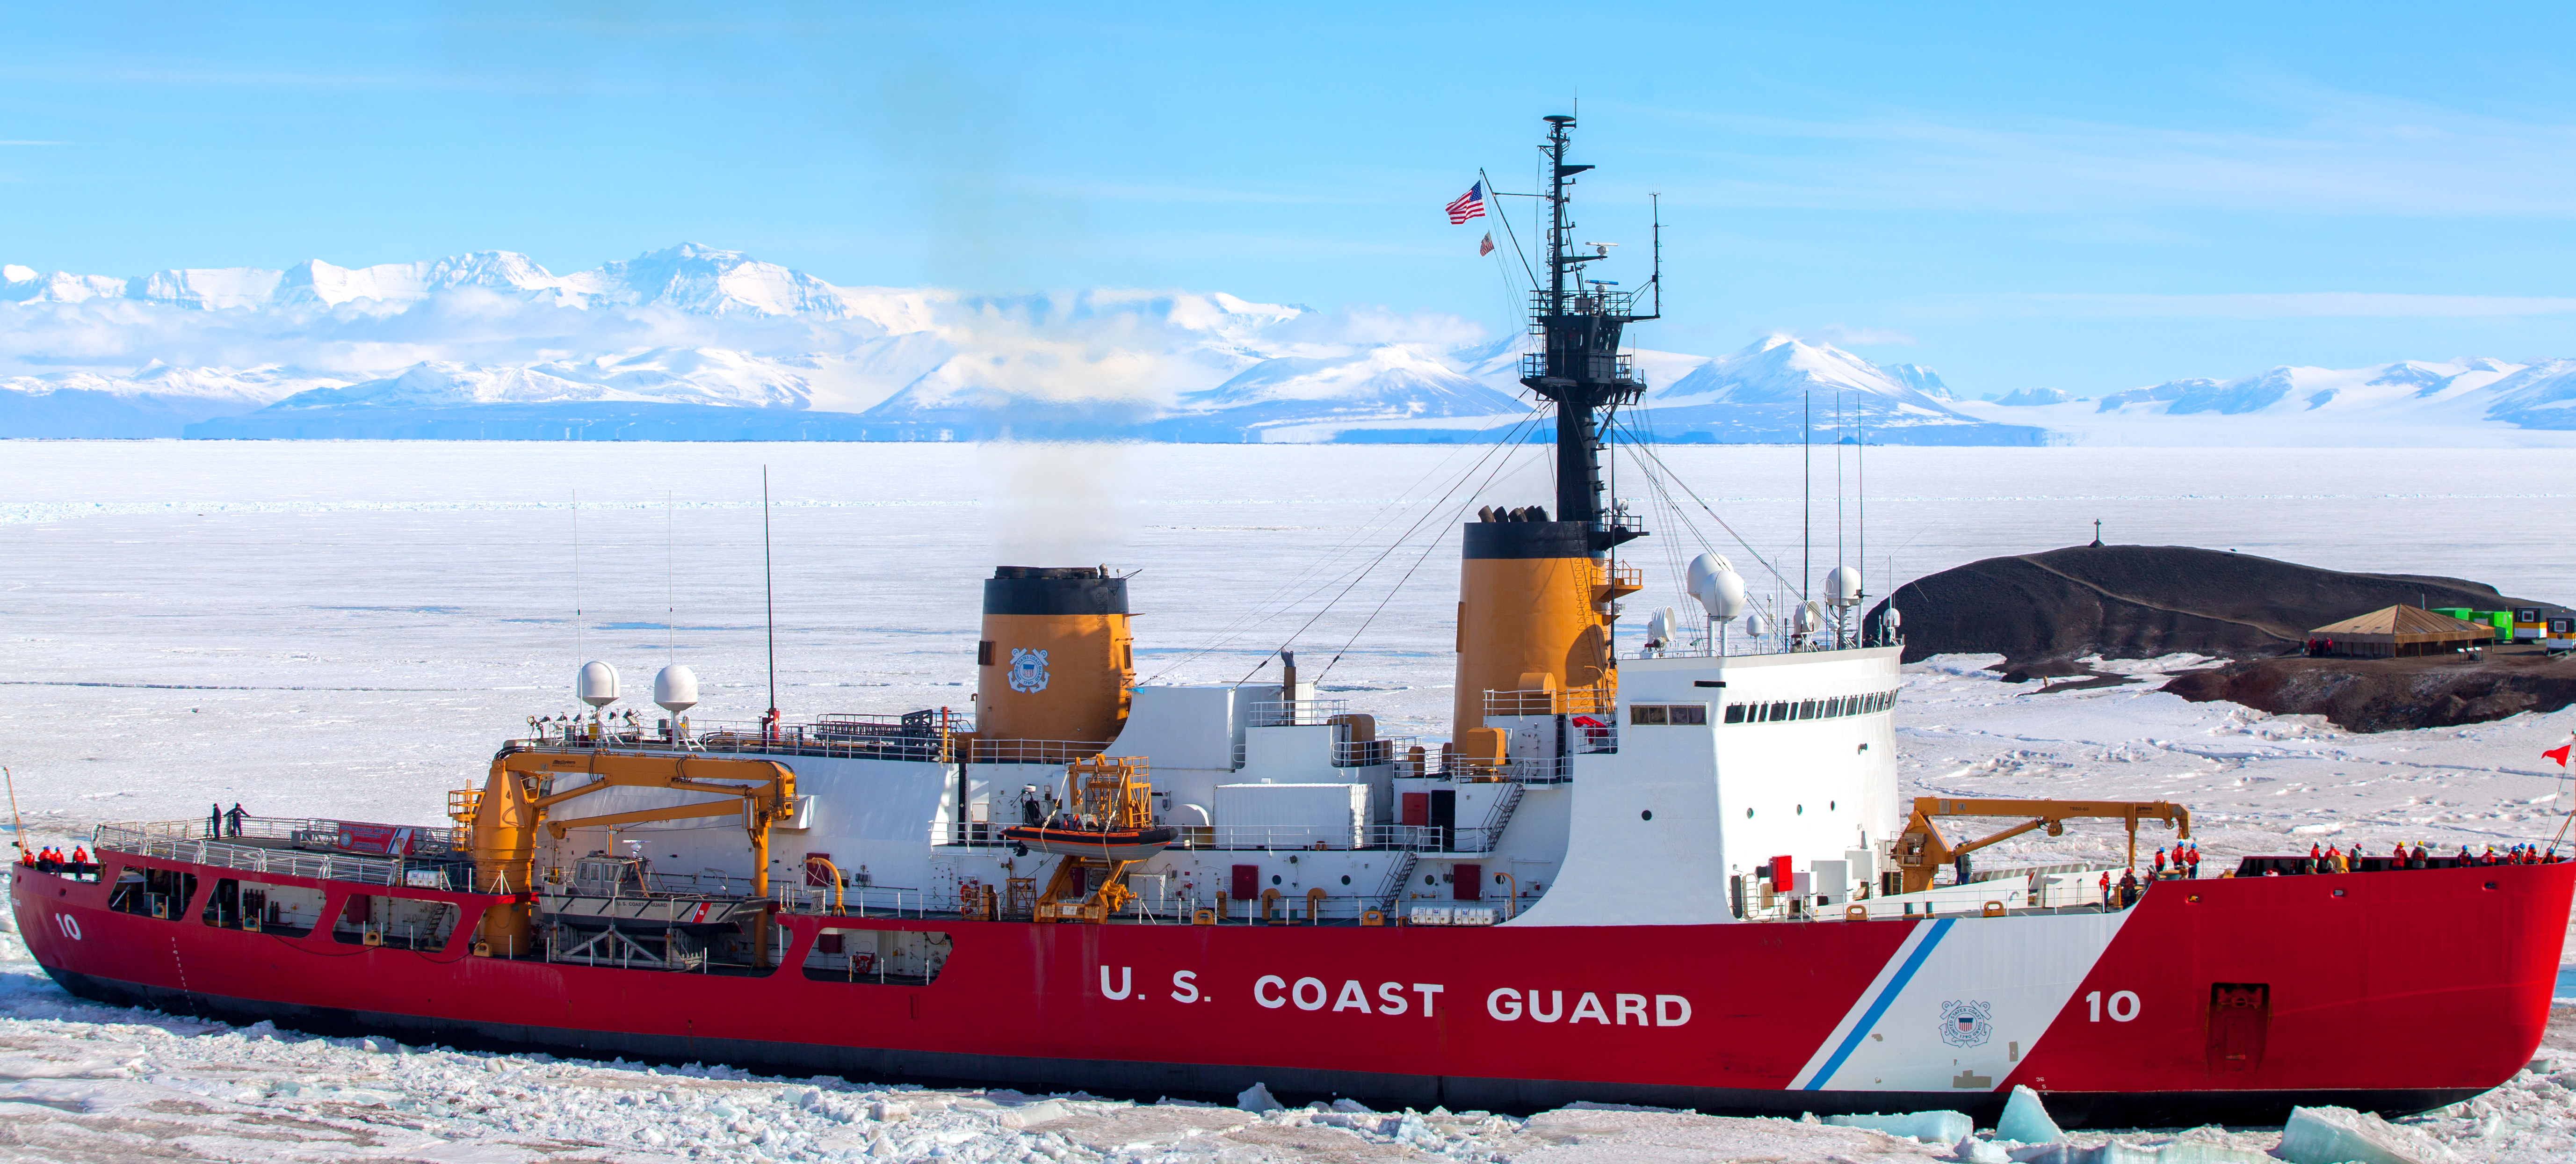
{"points": [[693, 343]]}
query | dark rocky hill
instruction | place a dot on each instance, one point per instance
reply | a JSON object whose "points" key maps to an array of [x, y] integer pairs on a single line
{"points": [[2044, 611], [2377, 695]]}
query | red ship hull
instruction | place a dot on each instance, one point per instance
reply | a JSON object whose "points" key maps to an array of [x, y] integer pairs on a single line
{"points": [[2393, 992]]}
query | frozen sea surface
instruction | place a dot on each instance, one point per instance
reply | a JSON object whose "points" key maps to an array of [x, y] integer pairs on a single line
{"points": [[347, 629]]}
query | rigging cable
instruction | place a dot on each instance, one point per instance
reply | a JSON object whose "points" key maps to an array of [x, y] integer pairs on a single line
{"points": [[1262, 611], [1675, 478], [1509, 441]]}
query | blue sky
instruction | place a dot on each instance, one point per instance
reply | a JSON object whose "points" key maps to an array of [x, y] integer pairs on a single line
{"points": [[2018, 196]]}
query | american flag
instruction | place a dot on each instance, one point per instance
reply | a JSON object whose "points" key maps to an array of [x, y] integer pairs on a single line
{"points": [[1469, 205], [1487, 247]]}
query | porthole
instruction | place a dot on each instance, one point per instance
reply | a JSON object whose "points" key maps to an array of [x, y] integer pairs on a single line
{"points": [[1748, 814], [1274, 879], [1802, 810], [1430, 879], [1831, 805], [1649, 814], [1346, 878]]}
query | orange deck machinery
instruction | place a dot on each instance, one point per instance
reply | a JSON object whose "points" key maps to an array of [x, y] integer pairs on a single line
{"points": [[503, 817]]}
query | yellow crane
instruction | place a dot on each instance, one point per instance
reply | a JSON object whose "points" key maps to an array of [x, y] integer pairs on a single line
{"points": [[1921, 850], [504, 814]]}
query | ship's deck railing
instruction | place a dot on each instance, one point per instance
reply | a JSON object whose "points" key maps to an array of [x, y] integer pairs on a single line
{"points": [[1369, 753], [256, 858], [303, 832], [857, 900], [1032, 751], [1298, 712], [1517, 770], [1596, 701]]}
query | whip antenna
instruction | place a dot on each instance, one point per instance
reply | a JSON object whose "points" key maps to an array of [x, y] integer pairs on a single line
{"points": [[577, 649], [769, 596], [17, 827]]}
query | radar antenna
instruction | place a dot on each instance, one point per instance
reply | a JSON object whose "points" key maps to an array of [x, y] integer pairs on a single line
{"points": [[1579, 366]]}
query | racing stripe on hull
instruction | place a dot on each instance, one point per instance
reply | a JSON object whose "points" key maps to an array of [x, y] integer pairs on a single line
{"points": [[1874, 1001], [1960, 1009]]}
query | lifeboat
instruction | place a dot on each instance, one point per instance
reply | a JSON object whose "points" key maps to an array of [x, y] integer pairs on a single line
{"points": [[1131, 844]]}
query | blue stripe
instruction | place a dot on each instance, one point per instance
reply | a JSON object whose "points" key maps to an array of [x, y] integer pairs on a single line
{"points": [[1895, 986]]}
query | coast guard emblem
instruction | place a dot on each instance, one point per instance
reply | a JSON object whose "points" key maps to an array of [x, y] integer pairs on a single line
{"points": [[1028, 670], [1967, 1024]]}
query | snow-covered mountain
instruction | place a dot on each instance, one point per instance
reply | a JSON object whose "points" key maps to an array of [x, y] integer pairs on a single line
{"points": [[687, 278], [1772, 388], [2459, 401], [691, 342]]}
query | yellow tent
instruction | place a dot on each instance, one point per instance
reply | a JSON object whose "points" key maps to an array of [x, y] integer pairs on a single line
{"points": [[2401, 630]]}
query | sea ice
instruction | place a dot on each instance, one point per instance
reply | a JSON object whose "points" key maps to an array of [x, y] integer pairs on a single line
{"points": [[2340, 1135], [1975, 1151], [2026, 1121], [1931, 1127], [1257, 1098]]}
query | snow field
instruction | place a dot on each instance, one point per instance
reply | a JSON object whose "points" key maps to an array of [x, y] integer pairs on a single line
{"points": [[346, 630]]}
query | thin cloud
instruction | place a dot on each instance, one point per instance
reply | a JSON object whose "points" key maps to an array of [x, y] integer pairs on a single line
{"points": [[1840, 335], [2290, 305], [2336, 153]]}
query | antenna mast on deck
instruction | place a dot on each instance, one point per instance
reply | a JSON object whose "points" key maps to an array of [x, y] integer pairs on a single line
{"points": [[1579, 366]]}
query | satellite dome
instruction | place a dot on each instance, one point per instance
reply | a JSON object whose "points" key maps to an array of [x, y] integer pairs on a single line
{"points": [[1757, 624], [1895, 617], [1701, 568], [1721, 592], [597, 684], [676, 688], [1842, 586]]}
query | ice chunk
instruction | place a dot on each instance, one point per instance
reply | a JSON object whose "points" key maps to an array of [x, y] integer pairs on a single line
{"points": [[2026, 1119], [2340, 1135], [2196, 1152], [1037, 1113], [1931, 1127], [1352, 1105], [1975, 1151], [1257, 1098]]}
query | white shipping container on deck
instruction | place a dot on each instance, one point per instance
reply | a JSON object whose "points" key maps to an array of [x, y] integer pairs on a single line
{"points": [[1291, 816]]}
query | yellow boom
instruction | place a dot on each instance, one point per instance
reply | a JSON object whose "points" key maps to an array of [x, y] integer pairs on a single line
{"points": [[1921, 851], [504, 817]]}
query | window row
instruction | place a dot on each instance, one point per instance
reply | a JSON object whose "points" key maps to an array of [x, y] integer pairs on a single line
{"points": [[1830, 708]]}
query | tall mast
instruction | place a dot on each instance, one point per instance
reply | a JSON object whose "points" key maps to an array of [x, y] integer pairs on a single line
{"points": [[1579, 366]]}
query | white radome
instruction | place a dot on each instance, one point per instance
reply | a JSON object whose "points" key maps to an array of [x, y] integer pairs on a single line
{"points": [[1659, 627], [1842, 586], [676, 688], [1757, 624], [1701, 568], [1811, 617], [1721, 593], [597, 684]]}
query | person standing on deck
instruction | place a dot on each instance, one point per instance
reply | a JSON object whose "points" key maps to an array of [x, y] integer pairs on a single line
{"points": [[235, 817], [215, 820]]}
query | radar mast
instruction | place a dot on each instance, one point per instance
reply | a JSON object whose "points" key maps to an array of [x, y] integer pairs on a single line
{"points": [[1579, 366]]}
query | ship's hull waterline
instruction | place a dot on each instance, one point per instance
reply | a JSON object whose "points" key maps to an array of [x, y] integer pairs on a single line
{"points": [[2109, 1014]]}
